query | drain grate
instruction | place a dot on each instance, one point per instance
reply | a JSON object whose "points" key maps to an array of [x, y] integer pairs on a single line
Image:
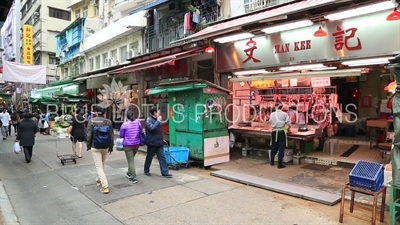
{"points": [[120, 186]]}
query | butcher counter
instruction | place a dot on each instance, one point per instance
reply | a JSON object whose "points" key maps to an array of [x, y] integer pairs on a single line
{"points": [[265, 132]]}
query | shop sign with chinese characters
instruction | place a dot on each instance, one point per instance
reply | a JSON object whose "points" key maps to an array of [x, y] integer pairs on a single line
{"points": [[320, 81], [357, 37], [27, 45]]}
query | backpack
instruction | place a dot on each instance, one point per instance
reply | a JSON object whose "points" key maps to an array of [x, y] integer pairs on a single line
{"points": [[101, 136]]}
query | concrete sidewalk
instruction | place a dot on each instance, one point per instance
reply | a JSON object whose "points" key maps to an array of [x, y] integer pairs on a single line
{"points": [[45, 192]]}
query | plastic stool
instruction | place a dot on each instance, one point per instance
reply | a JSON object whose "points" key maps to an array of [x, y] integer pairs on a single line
{"points": [[331, 142], [394, 203]]}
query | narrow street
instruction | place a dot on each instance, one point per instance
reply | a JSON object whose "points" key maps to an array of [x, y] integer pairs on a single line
{"points": [[45, 192]]}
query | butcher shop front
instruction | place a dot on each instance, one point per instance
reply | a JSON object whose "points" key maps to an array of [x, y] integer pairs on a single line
{"points": [[330, 80]]}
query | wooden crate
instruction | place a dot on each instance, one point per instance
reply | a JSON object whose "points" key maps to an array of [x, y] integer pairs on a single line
{"points": [[377, 123]]}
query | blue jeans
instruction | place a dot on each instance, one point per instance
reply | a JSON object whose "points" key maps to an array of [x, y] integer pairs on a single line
{"points": [[159, 151]]}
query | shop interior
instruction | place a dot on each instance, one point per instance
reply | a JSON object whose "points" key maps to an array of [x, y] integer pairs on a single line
{"points": [[357, 125]]}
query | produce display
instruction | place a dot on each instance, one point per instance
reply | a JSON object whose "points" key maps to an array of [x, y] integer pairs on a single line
{"points": [[61, 124]]}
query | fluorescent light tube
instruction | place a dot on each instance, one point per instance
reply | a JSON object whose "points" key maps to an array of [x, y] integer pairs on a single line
{"points": [[235, 37], [366, 61], [250, 72], [361, 11], [288, 26], [368, 64], [303, 67], [325, 68]]}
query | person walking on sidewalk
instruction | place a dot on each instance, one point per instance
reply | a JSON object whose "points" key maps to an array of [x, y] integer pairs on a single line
{"points": [[100, 139], [5, 123], [26, 135], [130, 132], [15, 118], [155, 143], [77, 132], [279, 120]]}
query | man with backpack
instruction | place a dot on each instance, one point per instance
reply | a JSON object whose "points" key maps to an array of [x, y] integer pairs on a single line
{"points": [[100, 139]]}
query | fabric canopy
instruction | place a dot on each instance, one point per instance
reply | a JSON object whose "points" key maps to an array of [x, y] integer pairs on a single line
{"points": [[17, 72], [43, 100], [148, 6], [156, 62], [34, 100], [52, 89], [5, 97], [166, 89]]}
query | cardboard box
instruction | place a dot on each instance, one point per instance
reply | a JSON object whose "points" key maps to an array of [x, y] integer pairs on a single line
{"points": [[286, 158], [388, 174]]}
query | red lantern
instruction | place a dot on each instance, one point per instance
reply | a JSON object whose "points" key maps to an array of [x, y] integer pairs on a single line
{"points": [[166, 97]]}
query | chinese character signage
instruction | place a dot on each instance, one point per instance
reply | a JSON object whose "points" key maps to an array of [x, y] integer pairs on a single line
{"points": [[320, 81], [357, 37], [252, 45], [27, 44]]}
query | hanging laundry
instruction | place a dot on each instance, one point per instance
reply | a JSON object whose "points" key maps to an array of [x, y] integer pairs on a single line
{"points": [[186, 23], [196, 16]]}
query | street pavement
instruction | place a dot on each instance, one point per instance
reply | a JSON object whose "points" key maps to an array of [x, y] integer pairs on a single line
{"points": [[45, 192]]}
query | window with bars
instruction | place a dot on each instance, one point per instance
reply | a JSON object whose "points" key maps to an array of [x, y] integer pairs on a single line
{"points": [[85, 12], [205, 70]]}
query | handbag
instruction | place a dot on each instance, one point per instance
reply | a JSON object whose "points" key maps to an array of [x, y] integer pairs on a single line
{"points": [[119, 144], [142, 138]]}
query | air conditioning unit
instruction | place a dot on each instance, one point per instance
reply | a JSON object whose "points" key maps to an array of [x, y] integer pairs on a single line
{"points": [[132, 53], [92, 2]]}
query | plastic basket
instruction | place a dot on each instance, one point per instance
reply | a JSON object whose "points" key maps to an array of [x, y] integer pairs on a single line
{"points": [[367, 175], [176, 155]]}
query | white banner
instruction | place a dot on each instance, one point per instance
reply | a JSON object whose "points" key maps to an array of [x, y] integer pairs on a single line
{"points": [[17, 72], [320, 81]]}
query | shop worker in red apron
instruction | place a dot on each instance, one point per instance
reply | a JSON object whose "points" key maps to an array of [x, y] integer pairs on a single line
{"points": [[280, 122]]}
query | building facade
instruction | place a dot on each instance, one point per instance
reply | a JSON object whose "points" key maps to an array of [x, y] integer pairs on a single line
{"points": [[87, 20], [48, 19]]}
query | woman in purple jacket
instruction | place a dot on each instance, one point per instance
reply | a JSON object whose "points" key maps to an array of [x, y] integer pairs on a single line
{"points": [[130, 132]]}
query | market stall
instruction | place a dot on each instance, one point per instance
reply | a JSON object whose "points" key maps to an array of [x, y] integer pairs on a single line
{"points": [[197, 119], [309, 103]]}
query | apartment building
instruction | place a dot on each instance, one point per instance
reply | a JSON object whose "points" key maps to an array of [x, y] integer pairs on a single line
{"points": [[88, 17], [48, 19]]}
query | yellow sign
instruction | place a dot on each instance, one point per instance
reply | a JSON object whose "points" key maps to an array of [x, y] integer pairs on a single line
{"points": [[262, 84], [27, 44]]}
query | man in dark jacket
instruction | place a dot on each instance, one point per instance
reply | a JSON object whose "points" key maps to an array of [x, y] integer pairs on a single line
{"points": [[26, 135], [155, 143]]}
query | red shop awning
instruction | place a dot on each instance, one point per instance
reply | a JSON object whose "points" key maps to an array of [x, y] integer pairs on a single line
{"points": [[156, 62], [236, 24]]}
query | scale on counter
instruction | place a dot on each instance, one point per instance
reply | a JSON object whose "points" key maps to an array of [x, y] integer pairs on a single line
{"points": [[302, 128]]}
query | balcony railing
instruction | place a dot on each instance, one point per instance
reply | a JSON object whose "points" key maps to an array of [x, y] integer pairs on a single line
{"points": [[160, 37], [172, 28]]}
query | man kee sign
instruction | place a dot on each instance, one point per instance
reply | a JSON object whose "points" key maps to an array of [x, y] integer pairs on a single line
{"points": [[342, 39], [296, 46], [351, 38]]}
